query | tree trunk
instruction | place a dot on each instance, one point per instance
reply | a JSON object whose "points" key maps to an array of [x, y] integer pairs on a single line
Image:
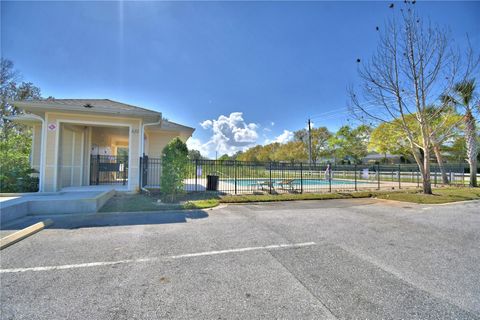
{"points": [[472, 151], [438, 155], [424, 166], [427, 184]]}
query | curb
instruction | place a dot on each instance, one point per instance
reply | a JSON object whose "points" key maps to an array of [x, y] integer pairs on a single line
{"points": [[24, 233], [427, 204], [220, 206], [455, 202]]}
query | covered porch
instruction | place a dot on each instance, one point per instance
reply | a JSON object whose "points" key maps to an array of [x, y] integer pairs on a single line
{"points": [[92, 155], [83, 155]]}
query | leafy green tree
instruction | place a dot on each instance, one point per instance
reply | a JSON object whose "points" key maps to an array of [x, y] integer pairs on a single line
{"points": [[11, 90], [350, 143], [250, 154], [456, 150], [15, 139], [388, 137], [320, 138], [225, 157], [268, 152], [195, 155], [15, 171], [174, 169], [236, 155], [447, 124], [292, 151]]}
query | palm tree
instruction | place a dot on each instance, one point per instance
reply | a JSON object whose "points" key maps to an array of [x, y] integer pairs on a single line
{"points": [[464, 95]]}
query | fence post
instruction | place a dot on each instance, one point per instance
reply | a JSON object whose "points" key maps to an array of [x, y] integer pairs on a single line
{"points": [[145, 170], [235, 174], [355, 174], [330, 179], [91, 178], [418, 179], [196, 174], [378, 175], [435, 178], [270, 175], [392, 175], [301, 177], [140, 176], [124, 171], [399, 176], [98, 169]]}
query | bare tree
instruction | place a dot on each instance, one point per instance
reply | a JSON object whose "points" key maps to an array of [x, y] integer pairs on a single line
{"points": [[412, 67]]}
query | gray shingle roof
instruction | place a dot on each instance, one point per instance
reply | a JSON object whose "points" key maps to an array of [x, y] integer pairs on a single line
{"points": [[104, 106]]}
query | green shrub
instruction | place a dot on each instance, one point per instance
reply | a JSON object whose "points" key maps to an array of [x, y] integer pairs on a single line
{"points": [[174, 169]]}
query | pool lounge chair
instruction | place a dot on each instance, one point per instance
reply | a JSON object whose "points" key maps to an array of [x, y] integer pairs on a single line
{"points": [[287, 184], [265, 184]]}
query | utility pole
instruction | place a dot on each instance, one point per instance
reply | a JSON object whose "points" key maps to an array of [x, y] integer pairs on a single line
{"points": [[309, 144]]}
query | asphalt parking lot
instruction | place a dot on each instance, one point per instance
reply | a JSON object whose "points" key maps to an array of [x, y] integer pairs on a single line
{"points": [[337, 259]]}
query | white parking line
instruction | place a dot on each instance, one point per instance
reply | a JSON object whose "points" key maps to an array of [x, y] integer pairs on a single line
{"points": [[188, 255], [211, 253], [67, 266]]}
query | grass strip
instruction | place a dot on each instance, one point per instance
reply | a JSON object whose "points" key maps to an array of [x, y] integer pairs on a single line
{"points": [[442, 195], [142, 202]]}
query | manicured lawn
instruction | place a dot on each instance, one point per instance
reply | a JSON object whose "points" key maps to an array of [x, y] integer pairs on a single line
{"points": [[201, 204], [143, 202], [441, 195], [294, 197]]}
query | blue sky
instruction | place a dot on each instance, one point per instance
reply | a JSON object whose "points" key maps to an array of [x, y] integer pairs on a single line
{"points": [[239, 72]]}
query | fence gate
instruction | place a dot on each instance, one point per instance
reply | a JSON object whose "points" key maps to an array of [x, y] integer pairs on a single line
{"points": [[108, 169]]}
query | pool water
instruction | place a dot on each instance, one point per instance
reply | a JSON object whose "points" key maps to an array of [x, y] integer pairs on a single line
{"points": [[296, 182]]}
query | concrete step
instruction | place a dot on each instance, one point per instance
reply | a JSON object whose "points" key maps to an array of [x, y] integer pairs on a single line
{"points": [[57, 203]]}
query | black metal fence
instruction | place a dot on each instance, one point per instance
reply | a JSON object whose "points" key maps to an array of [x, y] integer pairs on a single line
{"points": [[237, 177], [108, 169]]}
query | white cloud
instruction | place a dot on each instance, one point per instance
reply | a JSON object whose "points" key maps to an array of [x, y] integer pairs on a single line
{"points": [[229, 135], [206, 124], [272, 123], [285, 137], [196, 144]]}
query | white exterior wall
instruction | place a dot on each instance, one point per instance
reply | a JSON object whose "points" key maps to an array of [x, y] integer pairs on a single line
{"points": [[36, 146]]}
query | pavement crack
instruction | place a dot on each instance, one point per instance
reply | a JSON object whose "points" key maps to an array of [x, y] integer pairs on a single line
{"points": [[325, 308], [402, 277]]}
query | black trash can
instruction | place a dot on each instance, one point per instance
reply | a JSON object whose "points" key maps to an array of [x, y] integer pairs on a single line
{"points": [[212, 183]]}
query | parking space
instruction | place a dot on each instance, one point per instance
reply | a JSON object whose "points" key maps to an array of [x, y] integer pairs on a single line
{"points": [[344, 259]]}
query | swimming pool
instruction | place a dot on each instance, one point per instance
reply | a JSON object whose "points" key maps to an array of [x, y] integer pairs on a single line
{"points": [[296, 182]]}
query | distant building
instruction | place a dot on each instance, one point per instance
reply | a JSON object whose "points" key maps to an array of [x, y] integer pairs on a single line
{"points": [[384, 158]]}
